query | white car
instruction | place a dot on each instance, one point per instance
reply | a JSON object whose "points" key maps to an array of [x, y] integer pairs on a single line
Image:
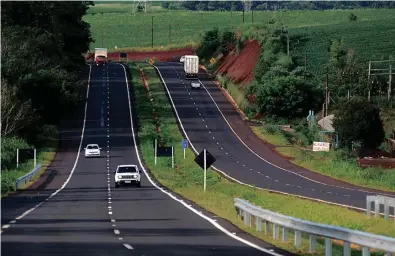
{"points": [[182, 59], [127, 174], [92, 150], [195, 85]]}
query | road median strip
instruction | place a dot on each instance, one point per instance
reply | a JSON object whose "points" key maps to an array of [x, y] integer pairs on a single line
{"points": [[187, 178]]}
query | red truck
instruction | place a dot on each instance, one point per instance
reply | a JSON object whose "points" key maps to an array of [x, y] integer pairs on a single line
{"points": [[100, 56]]}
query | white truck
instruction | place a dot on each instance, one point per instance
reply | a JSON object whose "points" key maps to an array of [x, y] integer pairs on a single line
{"points": [[191, 66], [101, 56]]}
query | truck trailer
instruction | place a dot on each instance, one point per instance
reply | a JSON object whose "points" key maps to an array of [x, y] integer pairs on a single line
{"points": [[191, 66], [101, 56]]}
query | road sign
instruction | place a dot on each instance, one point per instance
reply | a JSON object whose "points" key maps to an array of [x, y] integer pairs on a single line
{"points": [[123, 55], [209, 159], [164, 151], [213, 60], [184, 143], [321, 146]]}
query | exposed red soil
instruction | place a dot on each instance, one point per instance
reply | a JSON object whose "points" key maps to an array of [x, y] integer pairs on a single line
{"points": [[387, 163], [240, 67], [158, 55]]}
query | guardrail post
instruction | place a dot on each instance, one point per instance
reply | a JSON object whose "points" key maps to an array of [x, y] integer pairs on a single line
{"points": [[313, 243], [386, 208], [298, 239], [246, 218], [376, 207], [285, 234], [365, 251], [276, 231], [258, 224], [267, 228], [368, 205], [328, 247], [346, 249]]}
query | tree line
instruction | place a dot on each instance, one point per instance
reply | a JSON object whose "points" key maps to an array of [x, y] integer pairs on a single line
{"points": [[274, 5], [42, 61]]}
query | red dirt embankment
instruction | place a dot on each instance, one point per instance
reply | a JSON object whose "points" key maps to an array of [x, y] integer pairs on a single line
{"points": [[240, 67], [158, 55]]}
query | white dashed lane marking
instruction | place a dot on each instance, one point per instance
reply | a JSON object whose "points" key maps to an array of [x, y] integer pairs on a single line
{"points": [[128, 246], [116, 231]]}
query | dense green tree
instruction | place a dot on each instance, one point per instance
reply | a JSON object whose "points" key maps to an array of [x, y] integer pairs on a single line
{"points": [[42, 55], [287, 96], [359, 121]]}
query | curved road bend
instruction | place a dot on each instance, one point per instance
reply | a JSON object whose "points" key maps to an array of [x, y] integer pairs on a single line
{"points": [[206, 128], [90, 217]]}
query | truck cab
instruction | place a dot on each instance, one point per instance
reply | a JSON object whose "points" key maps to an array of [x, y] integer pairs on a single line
{"points": [[100, 57]]}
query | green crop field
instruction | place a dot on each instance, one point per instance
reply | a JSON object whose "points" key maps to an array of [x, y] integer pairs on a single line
{"points": [[116, 25]]}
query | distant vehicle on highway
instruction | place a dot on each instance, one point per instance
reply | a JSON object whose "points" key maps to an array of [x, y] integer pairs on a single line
{"points": [[92, 150], [127, 174], [191, 66], [195, 85], [182, 59], [101, 56]]}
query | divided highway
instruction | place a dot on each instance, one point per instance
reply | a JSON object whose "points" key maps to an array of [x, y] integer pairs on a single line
{"points": [[206, 127], [88, 216]]}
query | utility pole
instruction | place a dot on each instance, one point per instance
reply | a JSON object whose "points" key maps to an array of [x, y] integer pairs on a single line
{"points": [[370, 66], [287, 43], [389, 83], [243, 16], [305, 65], [382, 71], [152, 32], [326, 93], [169, 34], [102, 36]]}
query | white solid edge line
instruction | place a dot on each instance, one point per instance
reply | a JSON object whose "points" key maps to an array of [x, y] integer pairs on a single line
{"points": [[78, 153], [178, 200], [297, 174], [240, 182]]}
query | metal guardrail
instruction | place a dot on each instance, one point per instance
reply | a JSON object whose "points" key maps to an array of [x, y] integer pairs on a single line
{"points": [[27, 177], [380, 200], [263, 217]]}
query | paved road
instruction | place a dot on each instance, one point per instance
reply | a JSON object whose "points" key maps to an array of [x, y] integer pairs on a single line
{"points": [[207, 128], [90, 217]]}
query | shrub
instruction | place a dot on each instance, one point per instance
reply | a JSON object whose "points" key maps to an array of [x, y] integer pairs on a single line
{"points": [[359, 121], [272, 129], [9, 145]]}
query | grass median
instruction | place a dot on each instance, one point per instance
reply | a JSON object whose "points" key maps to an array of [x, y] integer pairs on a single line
{"points": [[187, 178]]}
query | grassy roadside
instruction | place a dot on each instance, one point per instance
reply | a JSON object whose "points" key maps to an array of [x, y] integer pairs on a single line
{"points": [[187, 178], [330, 163], [9, 177]]}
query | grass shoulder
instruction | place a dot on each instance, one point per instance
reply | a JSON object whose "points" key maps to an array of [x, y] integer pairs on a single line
{"points": [[333, 163], [45, 157], [187, 178]]}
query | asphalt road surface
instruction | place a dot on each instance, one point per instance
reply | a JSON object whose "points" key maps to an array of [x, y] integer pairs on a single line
{"points": [[88, 216], [207, 128]]}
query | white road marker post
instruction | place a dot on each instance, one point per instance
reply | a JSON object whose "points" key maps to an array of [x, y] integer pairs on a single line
{"points": [[205, 170], [35, 157], [156, 149], [17, 158], [172, 157], [184, 153]]}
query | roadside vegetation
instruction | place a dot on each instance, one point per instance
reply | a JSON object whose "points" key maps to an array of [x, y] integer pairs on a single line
{"points": [[285, 89], [42, 73], [187, 178]]}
